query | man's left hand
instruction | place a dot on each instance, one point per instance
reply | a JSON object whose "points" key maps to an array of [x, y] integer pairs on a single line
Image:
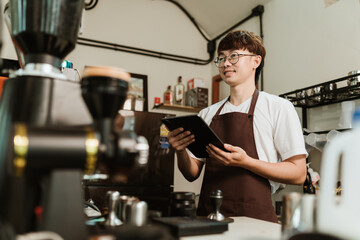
{"points": [[236, 156]]}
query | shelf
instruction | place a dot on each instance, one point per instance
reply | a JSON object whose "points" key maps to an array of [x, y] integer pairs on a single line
{"points": [[326, 131], [177, 108], [330, 92], [335, 91]]}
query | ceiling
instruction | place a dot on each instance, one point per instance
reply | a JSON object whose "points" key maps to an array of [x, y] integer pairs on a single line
{"points": [[216, 16]]}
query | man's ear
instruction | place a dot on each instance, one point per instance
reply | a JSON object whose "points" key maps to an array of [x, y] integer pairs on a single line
{"points": [[257, 61]]}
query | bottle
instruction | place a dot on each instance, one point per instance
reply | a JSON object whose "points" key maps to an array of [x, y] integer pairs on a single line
{"points": [[168, 96], [180, 92], [315, 177], [308, 186]]}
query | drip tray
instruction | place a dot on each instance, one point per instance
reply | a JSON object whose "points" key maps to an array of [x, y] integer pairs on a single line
{"points": [[185, 226]]}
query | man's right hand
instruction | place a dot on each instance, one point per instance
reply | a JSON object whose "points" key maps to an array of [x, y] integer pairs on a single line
{"points": [[179, 139]]}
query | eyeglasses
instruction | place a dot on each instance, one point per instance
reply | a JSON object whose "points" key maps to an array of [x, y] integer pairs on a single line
{"points": [[233, 59]]}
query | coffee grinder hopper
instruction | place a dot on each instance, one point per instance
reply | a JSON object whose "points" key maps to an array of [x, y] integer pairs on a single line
{"points": [[41, 33]]}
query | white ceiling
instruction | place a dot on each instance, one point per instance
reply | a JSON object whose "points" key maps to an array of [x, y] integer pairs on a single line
{"points": [[216, 16]]}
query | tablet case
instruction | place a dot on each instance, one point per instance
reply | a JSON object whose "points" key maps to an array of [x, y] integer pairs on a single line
{"points": [[197, 126]]}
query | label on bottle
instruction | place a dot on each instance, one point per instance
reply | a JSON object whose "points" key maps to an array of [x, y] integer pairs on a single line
{"points": [[163, 130], [179, 93], [168, 97], [164, 141]]}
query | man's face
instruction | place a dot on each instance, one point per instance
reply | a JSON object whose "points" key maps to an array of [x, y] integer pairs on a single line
{"points": [[238, 66]]}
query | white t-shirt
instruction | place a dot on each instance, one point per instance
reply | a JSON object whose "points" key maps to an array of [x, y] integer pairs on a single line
{"points": [[277, 129]]}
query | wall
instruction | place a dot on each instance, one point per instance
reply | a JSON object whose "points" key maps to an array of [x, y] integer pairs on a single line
{"points": [[308, 43], [8, 50], [153, 25]]}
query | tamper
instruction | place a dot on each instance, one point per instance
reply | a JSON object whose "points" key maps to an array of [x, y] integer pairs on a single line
{"points": [[113, 202], [216, 198]]}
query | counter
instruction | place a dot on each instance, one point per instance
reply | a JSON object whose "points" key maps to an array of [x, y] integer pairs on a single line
{"points": [[244, 228]]}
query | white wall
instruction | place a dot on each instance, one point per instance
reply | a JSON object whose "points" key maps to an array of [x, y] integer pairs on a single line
{"points": [[153, 25], [307, 43], [8, 50]]}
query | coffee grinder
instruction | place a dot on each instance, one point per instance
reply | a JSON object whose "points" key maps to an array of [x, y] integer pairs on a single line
{"points": [[41, 162]]}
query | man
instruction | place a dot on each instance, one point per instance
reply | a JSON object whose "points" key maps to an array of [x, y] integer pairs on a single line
{"points": [[261, 131]]}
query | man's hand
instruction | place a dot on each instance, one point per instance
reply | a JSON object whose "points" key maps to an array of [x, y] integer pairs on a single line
{"points": [[289, 171], [179, 139], [189, 167], [236, 156]]}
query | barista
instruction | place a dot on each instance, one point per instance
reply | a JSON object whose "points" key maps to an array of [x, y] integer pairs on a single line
{"points": [[262, 133]]}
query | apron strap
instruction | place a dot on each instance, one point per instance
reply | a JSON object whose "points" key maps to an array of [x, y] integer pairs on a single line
{"points": [[252, 106], [220, 108], [253, 103]]}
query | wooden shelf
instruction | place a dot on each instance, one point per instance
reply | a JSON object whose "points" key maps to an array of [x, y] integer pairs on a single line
{"points": [[177, 108]]}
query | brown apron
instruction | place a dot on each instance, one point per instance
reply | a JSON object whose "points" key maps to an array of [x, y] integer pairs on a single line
{"points": [[244, 193]]}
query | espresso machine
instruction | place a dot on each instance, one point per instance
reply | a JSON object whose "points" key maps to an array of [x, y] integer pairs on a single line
{"points": [[43, 156]]}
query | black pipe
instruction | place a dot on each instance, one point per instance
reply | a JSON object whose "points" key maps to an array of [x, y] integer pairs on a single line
{"points": [[144, 52], [234, 26], [190, 17], [91, 5], [211, 46], [134, 49], [258, 11]]}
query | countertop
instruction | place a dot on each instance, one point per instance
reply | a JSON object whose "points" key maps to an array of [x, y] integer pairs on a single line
{"points": [[245, 228]]}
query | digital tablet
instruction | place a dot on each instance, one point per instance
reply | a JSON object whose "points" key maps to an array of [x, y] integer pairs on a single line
{"points": [[204, 135]]}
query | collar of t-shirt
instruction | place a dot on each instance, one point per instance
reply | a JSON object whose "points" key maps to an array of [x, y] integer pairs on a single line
{"points": [[242, 107]]}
